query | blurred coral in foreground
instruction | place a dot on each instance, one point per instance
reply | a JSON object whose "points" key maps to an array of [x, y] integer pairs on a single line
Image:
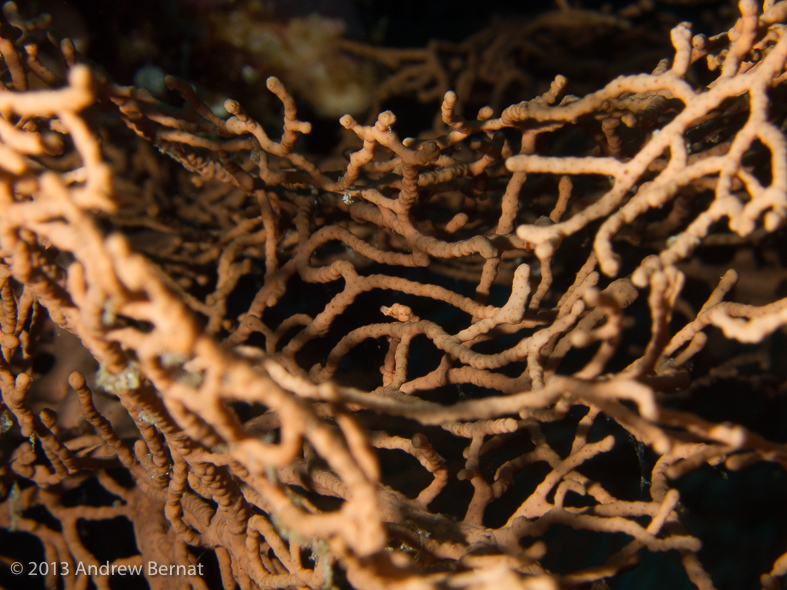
{"points": [[488, 357]]}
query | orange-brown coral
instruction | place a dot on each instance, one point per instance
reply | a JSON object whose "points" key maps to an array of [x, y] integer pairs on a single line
{"points": [[416, 369]]}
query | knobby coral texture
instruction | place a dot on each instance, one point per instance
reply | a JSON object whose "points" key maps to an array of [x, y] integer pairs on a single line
{"points": [[536, 347]]}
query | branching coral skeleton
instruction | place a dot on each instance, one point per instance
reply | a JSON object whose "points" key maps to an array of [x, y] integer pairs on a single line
{"points": [[289, 494]]}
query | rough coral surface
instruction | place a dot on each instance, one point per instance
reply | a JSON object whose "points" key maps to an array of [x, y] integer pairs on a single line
{"points": [[504, 354]]}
